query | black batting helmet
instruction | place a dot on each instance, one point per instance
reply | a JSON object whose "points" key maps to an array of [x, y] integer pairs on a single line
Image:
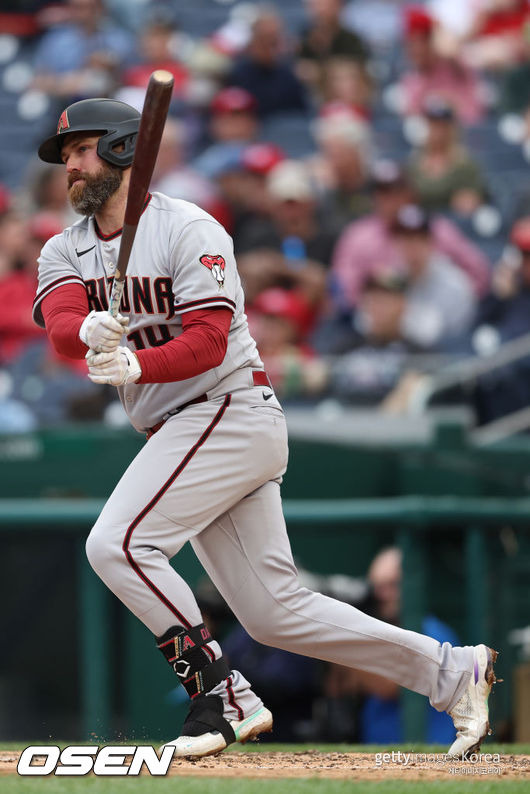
{"points": [[117, 121]]}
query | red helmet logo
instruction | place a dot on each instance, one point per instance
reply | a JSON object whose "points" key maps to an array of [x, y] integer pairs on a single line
{"points": [[63, 124], [216, 264]]}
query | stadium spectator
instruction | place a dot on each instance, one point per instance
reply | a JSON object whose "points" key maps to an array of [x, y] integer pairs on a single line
{"points": [[264, 70], [257, 161], [434, 74], [13, 236], [82, 57], [45, 388], [437, 304], [291, 248], [505, 315], [241, 181], [514, 95], [293, 226], [381, 717], [233, 116], [342, 166], [233, 125], [260, 158], [173, 176], [368, 246], [325, 37], [157, 48], [279, 320], [17, 291], [41, 227], [442, 171], [429, 305], [48, 193], [346, 82]]}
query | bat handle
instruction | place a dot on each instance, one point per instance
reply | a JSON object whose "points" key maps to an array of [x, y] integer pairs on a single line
{"points": [[115, 297]]}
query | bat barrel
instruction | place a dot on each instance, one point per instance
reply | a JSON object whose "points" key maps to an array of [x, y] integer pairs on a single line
{"points": [[152, 123], [153, 119]]}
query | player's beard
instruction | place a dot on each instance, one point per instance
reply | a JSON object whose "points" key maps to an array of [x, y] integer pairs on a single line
{"points": [[91, 195]]}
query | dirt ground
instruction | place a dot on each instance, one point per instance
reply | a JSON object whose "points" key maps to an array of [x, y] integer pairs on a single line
{"points": [[351, 766]]}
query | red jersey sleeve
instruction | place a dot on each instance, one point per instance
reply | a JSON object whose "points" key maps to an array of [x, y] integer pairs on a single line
{"points": [[201, 346], [63, 311]]}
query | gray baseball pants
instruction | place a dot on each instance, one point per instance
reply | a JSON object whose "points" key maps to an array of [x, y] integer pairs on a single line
{"points": [[211, 475]]}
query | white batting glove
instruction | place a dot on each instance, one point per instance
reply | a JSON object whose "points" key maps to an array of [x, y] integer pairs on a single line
{"points": [[101, 332], [117, 368]]}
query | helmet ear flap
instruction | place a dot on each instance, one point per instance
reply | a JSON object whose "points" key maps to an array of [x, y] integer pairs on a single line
{"points": [[127, 135]]}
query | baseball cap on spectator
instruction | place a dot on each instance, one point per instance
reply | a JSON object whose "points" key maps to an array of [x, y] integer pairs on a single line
{"points": [[417, 20], [387, 174], [520, 235], [438, 109], [233, 100], [348, 127], [411, 219], [260, 158], [290, 181], [289, 304]]}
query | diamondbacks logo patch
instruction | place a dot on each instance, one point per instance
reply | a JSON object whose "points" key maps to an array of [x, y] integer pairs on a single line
{"points": [[64, 123], [216, 264]]}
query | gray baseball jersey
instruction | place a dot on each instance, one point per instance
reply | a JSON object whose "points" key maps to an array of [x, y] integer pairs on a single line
{"points": [[182, 259]]}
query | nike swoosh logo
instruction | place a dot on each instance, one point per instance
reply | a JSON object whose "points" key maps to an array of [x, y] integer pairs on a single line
{"points": [[266, 396], [80, 253]]}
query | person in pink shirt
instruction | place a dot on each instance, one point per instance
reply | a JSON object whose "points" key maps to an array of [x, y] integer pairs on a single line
{"points": [[432, 73], [367, 246]]}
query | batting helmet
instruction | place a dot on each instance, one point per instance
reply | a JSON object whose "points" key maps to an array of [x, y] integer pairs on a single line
{"points": [[117, 121]]}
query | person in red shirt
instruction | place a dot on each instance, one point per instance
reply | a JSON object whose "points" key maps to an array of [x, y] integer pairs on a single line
{"points": [[17, 330], [17, 290]]}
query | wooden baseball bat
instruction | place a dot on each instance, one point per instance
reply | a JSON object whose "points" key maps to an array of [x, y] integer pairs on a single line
{"points": [[152, 123]]}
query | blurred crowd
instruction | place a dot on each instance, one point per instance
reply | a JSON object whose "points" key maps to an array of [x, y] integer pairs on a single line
{"points": [[368, 157]]}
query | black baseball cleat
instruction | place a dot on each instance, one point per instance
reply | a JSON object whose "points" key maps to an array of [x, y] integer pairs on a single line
{"points": [[207, 732]]}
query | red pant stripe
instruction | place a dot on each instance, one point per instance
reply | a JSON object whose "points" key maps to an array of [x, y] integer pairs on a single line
{"points": [[146, 510], [232, 699]]}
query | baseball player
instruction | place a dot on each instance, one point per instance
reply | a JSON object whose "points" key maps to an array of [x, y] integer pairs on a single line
{"points": [[190, 377]]}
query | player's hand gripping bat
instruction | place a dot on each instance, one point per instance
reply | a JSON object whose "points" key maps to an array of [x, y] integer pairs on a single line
{"points": [[152, 122]]}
